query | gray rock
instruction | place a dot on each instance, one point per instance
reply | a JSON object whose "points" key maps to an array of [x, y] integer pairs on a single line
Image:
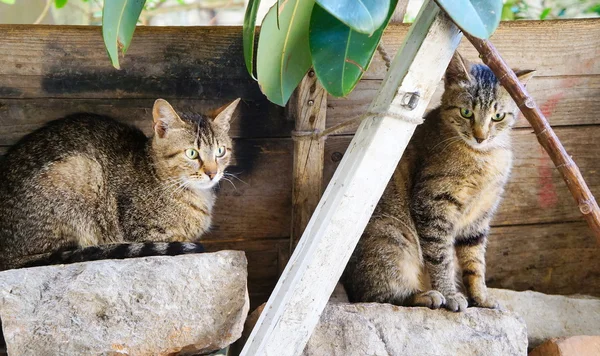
{"points": [[143, 306], [382, 329], [552, 316]]}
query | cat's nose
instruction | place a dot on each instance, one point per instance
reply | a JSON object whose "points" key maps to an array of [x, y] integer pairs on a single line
{"points": [[479, 139], [210, 174]]}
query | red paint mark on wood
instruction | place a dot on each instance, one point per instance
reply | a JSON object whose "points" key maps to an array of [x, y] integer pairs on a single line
{"points": [[547, 196], [549, 105]]}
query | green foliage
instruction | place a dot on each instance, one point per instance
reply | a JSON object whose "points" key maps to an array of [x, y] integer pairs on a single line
{"points": [[249, 30], [340, 55], [9, 2], [60, 3], [119, 18], [550, 9], [363, 16], [479, 18], [283, 54]]}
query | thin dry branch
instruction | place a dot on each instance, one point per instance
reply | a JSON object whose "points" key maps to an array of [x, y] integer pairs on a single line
{"points": [[545, 135]]}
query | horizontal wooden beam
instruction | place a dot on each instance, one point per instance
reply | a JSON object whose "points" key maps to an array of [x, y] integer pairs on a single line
{"points": [[207, 62]]}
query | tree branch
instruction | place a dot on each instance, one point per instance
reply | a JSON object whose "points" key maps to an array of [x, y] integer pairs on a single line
{"points": [[545, 135]]}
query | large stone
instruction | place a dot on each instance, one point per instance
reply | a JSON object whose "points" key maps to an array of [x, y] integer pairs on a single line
{"points": [[143, 306], [383, 329], [552, 316]]}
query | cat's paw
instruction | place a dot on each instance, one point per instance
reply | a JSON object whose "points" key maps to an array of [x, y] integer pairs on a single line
{"points": [[431, 299], [484, 301], [456, 302]]}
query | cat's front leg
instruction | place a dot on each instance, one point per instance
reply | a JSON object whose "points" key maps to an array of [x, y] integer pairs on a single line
{"points": [[435, 220], [470, 250]]}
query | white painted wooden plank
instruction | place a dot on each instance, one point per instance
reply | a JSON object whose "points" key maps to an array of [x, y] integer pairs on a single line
{"points": [[297, 302]]}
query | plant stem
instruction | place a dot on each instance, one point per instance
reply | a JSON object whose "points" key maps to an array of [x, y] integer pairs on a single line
{"points": [[545, 135], [44, 12]]}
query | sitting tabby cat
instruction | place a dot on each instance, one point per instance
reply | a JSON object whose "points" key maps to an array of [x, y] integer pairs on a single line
{"points": [[440, 200], [87, 187]]}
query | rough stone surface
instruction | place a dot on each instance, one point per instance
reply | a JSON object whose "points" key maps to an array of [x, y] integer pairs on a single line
{"points": [[143, 306], [552, 316], [570, 346], [382, 329]]}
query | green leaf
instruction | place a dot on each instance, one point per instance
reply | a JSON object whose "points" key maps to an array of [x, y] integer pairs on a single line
{"points": [[119, 18], [60, 3], [545, 13], [9, 2], [283, 53], [248, 32], [479, 18], [364, 16], [340, 55], [507, 11]]}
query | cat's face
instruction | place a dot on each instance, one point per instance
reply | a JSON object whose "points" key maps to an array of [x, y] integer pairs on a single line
{"points": [[477, 106], [191, 152]]}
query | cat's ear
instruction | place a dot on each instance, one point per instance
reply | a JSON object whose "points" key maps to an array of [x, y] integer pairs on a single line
{"points": [[222, 116], [165, 118], [458, 69], [524, 75]]}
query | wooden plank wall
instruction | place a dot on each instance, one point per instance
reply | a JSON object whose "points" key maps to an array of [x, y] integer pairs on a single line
{"points": [[539, 241]]}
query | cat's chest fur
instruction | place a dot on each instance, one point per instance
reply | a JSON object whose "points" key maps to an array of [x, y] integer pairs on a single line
{"points": [[186, 215], [484, 185]]}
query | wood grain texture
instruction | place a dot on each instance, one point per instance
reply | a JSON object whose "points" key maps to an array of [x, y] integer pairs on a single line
{"points": [[545, 134], [535, 192], [553, 48], [207, 62], [21, 116], [307, 109], [550, 258], [264, 257], [171, 62], [565, 100]]}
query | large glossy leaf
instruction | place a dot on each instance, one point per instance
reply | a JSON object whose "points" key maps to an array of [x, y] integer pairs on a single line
{"points": [[249, 31], [364, 16], [479, 18], [283, 54], [119, 18], [340, 55]]}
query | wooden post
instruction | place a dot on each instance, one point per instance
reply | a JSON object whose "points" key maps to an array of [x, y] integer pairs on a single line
{"points": [[307, 107], [294, 308]]}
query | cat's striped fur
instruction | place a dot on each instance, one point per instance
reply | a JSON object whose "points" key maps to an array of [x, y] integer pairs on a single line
{"points": [[87, 187], [440, 200]]}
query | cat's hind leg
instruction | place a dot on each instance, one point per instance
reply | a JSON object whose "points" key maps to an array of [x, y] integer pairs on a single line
{"points": [[386, 267]]}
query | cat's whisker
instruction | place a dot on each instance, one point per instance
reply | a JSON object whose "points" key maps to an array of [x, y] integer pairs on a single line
{"points": [[230, 182], [234, 176]]}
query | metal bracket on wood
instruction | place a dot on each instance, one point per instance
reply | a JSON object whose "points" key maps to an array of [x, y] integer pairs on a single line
{"points": [[294, 308]]}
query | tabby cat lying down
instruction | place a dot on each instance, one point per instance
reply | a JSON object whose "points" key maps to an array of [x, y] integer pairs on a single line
{"points": [[87, 187], [440, 200]]}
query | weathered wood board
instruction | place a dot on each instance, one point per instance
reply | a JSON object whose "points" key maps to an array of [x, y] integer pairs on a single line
{"points": [[557, 258], [536, 192], [48, 72], [565, 100]]}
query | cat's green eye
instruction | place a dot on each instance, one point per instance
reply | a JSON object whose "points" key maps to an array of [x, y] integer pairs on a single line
{"points": [[466, 113], [221, 151], [499, 116], [191, 153]]}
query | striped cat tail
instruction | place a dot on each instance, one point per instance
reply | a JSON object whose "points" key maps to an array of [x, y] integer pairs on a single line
{"points": [[114, 251]]}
